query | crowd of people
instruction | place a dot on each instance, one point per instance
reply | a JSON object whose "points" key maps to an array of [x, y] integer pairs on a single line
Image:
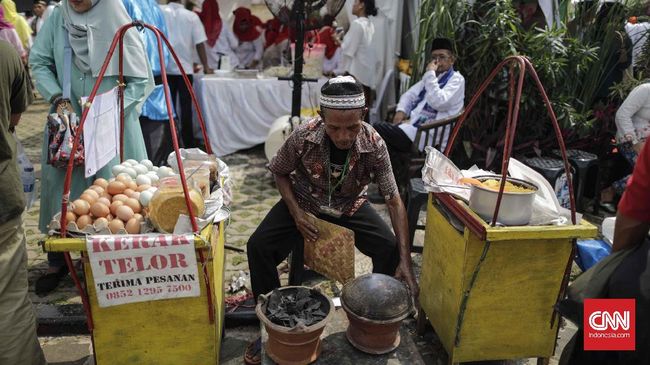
{"points": [[58, 46]]}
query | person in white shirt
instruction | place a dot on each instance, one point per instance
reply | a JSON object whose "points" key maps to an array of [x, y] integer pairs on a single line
{"points": [[186, 33], [248, 30], [221, 44], [632, 131], [358, 57], [440, 94]]}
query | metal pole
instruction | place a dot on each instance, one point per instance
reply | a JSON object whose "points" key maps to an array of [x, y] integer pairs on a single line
{"points": [[299, 13]]}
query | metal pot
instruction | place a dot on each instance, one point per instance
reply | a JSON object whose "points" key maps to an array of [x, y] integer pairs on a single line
{"points": [[375, 305], [516, 207]]}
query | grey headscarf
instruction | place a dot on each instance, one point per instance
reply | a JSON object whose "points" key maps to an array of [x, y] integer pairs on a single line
{"points": [[91, 34]]}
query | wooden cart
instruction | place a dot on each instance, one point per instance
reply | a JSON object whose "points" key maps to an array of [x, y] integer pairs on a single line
{"points": [[492, 297]]}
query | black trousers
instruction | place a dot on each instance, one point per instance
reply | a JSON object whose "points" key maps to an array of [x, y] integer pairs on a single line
{"points": [[157, 140], [178, 90], [276, 236], [395, 138]]}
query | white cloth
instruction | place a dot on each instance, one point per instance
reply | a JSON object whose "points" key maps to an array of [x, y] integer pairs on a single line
{"points": [[359, 58], [638, 34], [226, 44], [248, 52], [332, 64], [185, 33], [238, 113], [447, 101], [633, 116]]}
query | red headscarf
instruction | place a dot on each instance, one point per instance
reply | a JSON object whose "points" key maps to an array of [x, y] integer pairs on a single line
{"points": [[243, 16], [211, 21], [326, 37], [4, 23], [275, 32]]}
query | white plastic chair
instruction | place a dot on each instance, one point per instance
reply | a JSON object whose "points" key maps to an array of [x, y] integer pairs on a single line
{"points": [[375, 110]]}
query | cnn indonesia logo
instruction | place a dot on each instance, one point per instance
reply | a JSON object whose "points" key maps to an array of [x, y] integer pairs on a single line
{"points": [[609, 324]]}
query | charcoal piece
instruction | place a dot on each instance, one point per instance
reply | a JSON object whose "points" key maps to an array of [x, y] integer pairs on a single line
{"points": [[301, 308]]}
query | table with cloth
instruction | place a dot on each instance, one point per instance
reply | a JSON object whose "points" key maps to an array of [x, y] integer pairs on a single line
{"points": [[238, 112]]}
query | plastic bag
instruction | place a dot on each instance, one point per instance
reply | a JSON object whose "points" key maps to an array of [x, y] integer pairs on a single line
{"points": [[590, 252], [26, 169]]}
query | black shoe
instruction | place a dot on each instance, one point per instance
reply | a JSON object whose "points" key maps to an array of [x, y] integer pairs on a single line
{"points": [[48, 282]]}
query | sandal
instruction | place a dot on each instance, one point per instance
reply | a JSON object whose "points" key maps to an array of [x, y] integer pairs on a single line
{"points": [[253, 354], [608, 207], [48, 282]]}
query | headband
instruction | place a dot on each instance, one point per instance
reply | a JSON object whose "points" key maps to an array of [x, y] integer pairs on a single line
{"points": [[355, 101]]}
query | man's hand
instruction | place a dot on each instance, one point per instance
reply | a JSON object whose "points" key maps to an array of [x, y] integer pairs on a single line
{"points": [[432, 66], [638, 147], [404, 273], [399, 117], [207, 70], [309, 231]]}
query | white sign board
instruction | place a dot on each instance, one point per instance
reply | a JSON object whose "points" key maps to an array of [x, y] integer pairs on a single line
{"points": [[141, 268]]}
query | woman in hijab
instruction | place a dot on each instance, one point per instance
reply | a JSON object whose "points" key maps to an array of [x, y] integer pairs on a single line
{"points": [[327, 36], [20, 23], [221, 42], [276, 42], [8, 33], [251, 43], [90, 26]]}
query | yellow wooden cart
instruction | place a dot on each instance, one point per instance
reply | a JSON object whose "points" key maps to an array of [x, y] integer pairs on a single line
{"points": [[490, 291], [491, 296], [171, 331]]}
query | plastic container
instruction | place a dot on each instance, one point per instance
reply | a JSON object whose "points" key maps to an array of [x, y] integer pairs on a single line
{"points": [[201, 178], [29, 185]]}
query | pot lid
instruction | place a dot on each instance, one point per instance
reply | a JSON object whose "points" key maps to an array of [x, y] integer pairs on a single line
{"points": [[377, 297]]}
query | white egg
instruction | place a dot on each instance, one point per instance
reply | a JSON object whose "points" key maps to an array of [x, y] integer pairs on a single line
{"points": [[152, 189], [164, 172], [154, 177], [155, 168], [145, 197], [147, 163], [140, 169], [117, 169], [143, 179], [131, 171], [132, 162]]}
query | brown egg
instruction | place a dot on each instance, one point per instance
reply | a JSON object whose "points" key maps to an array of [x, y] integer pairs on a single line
{"points": [[139, 217], [96, 189], [143, 187], [99, 210], [87, 197], [134, 204], [110, 217], [80, 207], [100, 223], [83, 221], [106, 195], [115, 225], [90, 191], [101, 182], [120, 197], [114, 205], [123, 178], [133, 226], [70, 217], [135, 195], [105, 201], [124, 213], [132, 185], [128, 192], [115, 187]]}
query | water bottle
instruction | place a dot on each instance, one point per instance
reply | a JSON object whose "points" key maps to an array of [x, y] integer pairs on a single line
{"points": [[29, 184]]}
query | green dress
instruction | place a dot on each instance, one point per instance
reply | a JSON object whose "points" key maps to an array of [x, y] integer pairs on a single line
{"points": [[46, 60]]}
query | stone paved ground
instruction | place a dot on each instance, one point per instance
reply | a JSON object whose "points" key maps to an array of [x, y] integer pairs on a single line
{"points": [[254, 195]]}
